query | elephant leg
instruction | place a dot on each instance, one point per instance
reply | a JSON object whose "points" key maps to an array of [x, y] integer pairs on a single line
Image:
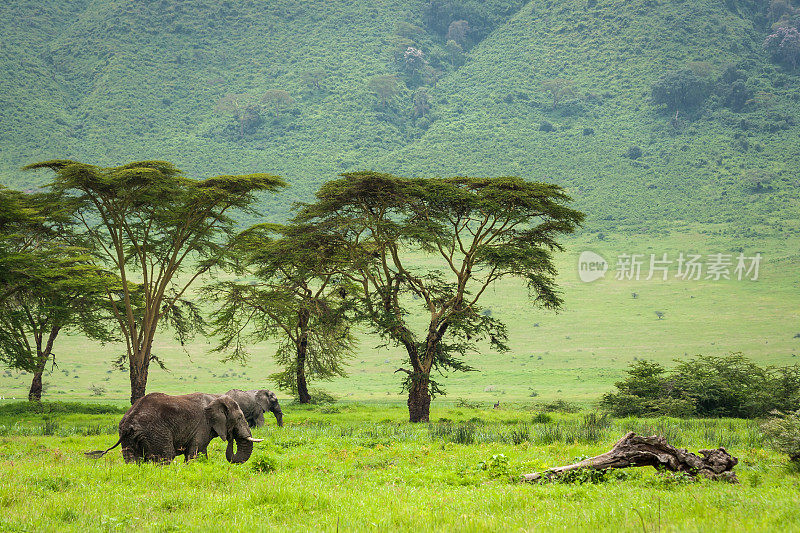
{"points": [[191, 453], [160, 450], [131, 451]]}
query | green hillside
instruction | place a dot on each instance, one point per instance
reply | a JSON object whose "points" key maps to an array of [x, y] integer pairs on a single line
{"points": [[108, 81]]}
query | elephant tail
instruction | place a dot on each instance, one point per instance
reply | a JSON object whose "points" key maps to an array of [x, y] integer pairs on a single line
{"points": [[100, 453]]}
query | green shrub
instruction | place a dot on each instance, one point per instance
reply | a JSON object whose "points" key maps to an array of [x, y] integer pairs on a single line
{"points": [[729, 386], [680, 90], [496, 466], [783, 432]]}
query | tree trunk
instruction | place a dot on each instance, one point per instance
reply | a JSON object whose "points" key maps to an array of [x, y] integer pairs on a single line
{"points": [[302, 384], [634, 450], [35, 394], [138, 375], [419, 399], [302, 353]]}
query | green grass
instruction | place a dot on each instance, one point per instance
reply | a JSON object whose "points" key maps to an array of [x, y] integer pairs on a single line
{"points": [[362, 468]]}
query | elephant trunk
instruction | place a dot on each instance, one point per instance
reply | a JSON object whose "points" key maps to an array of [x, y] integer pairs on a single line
{"points": [[279, 417], [244, 449]]}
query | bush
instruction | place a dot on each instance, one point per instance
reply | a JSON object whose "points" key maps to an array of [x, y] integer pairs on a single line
{"points": [[559, 406], [546, 127], [264, 464], [680, 90], [634, 152], [730, 386], [783, 432]]}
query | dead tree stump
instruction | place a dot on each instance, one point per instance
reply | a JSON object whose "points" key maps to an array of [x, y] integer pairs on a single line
{"points": [[634, 450]]}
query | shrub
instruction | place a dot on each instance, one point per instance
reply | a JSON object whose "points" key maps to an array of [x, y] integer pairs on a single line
{"points": [[730, 386], [496, 466], [634, 152], [559, 406], [264, 464], [783, 432], [680, 90], [546, 127]]}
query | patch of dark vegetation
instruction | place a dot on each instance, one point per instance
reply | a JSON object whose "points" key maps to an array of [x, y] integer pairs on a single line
{"points": [[708, 386], [27, 408]]}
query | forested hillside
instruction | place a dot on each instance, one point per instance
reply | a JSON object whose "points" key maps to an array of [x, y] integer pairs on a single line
{"points": [[655, 114]]}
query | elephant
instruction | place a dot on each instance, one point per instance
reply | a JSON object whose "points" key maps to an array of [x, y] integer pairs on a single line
{"points": [[254, 403], [159, 426]]}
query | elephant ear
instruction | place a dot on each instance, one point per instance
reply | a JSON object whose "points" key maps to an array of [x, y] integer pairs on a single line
{"points": [[262, 399], [273, 400], [217, 415]]}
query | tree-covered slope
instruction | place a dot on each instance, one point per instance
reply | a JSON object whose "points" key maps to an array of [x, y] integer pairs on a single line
{"points": [[705, 165], [108, 81]]}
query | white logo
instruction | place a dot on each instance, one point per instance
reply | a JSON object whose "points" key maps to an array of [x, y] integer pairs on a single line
{"points": [[591, 266]]}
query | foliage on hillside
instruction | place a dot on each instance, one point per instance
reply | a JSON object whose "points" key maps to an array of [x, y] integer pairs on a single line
{"points": [[106, 80]]}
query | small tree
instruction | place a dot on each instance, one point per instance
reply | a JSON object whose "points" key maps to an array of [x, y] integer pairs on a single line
{"points": [[278, 101], [558, 89], [456, 53], [480, 229], [458, 32], [149, 223], [241, 107], [296, 296], [783, 432], [385, 88], [422, 103], [314, 78]]}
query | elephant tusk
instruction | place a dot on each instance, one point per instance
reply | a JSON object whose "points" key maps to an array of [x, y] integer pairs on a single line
{"points": [[251, 439]]}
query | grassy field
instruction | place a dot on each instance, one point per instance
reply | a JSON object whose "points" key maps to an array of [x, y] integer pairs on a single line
{"points": [[575, 355], [356, 467]]}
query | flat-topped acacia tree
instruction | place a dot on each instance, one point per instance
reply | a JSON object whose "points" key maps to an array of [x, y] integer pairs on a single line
{"points": [[47, 286], [472, 232], [293, 292], [149, 223]]}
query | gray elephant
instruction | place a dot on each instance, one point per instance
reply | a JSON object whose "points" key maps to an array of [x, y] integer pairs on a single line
{"points": [[255, 403], [158, 427]]}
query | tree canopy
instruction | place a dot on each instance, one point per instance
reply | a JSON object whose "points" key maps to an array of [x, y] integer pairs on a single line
{"points": [[292, 292], [472, 233], [147, 222]]}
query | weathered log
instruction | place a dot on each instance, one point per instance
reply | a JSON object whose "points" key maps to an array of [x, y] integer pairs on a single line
{"points": [[634, 450]]}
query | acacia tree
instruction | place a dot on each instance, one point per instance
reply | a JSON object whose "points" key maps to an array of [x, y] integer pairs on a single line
{"points": [[241, 107], [63, 291], [48, 286], [558, 89], [475, 231], [296, 295], [149, 223]]}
